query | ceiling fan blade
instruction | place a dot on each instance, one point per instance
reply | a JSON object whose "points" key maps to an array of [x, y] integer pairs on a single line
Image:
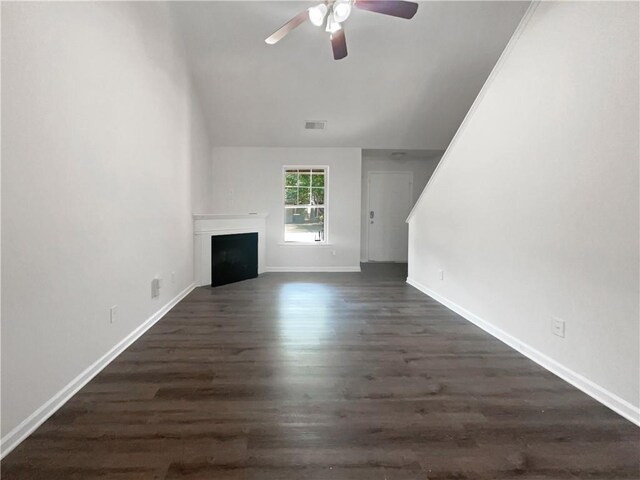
{"points": [[339, 44], [287, 27], [395, 8]]}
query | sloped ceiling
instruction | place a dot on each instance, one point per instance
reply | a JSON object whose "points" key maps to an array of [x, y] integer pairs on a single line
{"points": [[405, 84]]}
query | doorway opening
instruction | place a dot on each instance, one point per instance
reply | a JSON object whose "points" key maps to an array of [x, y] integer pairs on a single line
{"points": [[392, 181]]}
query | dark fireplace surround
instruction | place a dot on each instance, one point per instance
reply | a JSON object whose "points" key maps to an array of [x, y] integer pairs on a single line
{"points": [[233, 258]]}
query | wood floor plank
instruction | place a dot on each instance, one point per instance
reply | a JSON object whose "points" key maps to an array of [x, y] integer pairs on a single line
{"points": [[325, 376]]}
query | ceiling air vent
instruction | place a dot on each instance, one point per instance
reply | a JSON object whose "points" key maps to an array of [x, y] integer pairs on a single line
{"points": [[315, 124]]}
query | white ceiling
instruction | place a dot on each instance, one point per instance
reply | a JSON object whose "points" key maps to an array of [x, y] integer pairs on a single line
{"points": [[405, 84], [401, 153]]}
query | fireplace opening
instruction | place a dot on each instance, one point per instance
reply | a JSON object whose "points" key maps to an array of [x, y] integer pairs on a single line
{"points": [[233, 258]]}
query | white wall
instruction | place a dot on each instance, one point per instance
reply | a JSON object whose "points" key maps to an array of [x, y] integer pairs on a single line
{"points": [[98, 138], [200, 154], [533, 211], [250, 180], [420, 167]]}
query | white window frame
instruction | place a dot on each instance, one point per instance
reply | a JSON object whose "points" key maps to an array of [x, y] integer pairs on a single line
{"points": [[286, 207]]}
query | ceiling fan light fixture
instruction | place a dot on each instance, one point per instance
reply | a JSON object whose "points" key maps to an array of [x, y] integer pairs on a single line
{"points": [[330, 14], [332, 25], [341, 10], [317, 14]]}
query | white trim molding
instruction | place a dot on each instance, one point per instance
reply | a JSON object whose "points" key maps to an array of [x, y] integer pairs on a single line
{"points": [[305, 244], [12, 439], [227, 216], [314, 269], [602, 395]]}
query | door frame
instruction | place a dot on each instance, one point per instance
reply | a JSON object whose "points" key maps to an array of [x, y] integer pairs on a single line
{"points": [[383, 172]]}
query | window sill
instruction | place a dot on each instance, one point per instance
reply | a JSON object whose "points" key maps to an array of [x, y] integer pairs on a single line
{"points": [[304, 244]]}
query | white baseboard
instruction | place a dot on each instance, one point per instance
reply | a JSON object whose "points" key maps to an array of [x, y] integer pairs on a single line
{"points": [[602, 395], [12, 439], [313, 269]]}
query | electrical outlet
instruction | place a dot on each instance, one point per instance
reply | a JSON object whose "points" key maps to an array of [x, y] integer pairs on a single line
{"points": [[333, 252], [113, 314], [155, 287], [441, 274], [173, 277], [558, 327]]}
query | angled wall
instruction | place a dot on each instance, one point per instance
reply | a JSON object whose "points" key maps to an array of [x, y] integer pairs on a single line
{"points": [[533, 212]]}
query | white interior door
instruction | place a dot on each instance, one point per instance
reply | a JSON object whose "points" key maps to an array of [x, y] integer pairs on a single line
{"points": [[390, 195]]}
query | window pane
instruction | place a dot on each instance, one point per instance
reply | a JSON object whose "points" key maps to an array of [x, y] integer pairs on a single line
{"points": [[304, 179], [317, 196], [303, 196], [304, 225], [318, 180], [291, 179], [290, 196]]}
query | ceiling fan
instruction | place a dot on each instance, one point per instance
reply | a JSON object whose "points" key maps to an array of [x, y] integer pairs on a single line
{"points": [[332, 13]]}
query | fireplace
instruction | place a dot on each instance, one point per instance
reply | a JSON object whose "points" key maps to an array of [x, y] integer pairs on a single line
{"points": [[207, 225], [233, 258]]}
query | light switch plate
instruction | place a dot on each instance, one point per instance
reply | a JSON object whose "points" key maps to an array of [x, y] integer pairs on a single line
{"points": [[558, 327]]}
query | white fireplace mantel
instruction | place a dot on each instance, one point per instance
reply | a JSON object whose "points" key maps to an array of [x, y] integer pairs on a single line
{"points": [[207, 225]]}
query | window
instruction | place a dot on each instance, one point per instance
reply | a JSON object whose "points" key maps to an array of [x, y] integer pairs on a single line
{"points": [[305, 204]]}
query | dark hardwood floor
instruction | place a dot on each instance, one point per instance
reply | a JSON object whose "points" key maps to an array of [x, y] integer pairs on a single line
{"points": [[325, 376]]}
